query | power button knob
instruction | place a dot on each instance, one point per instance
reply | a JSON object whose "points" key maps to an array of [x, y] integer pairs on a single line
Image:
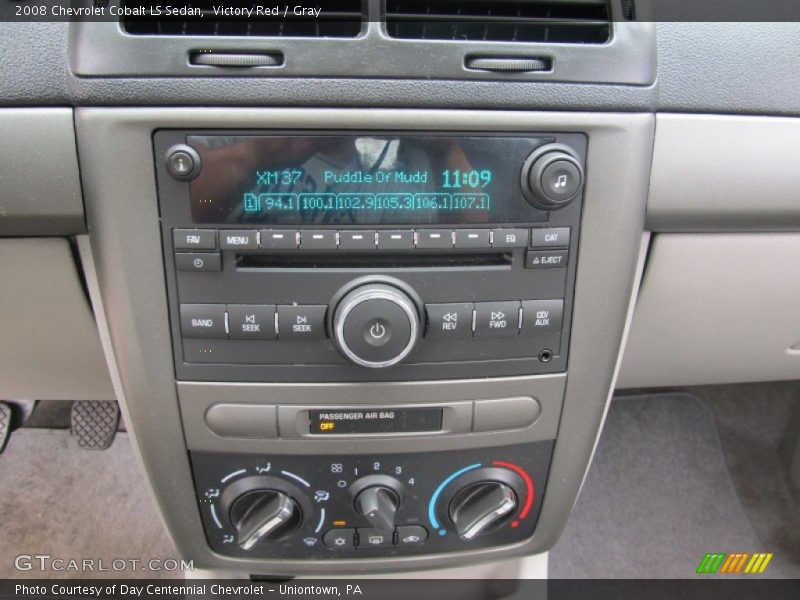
{"points": [[552, 177], [376, 325]]}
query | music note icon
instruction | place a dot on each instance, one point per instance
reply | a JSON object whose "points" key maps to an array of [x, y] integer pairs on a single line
{"points": [[560, 182]]}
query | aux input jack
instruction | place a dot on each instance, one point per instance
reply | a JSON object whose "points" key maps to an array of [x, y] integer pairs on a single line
{"points": [[546, 355]]}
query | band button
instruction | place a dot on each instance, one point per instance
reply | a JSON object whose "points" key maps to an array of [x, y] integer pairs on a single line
{"points": [[203, 321]]}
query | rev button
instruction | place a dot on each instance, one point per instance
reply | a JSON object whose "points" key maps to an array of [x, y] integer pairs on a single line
{"points": [[450, 320]]}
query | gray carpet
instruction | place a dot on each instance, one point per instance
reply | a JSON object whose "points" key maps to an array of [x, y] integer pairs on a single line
{"points": [[759, 425], [657, 497], [75, 504]]}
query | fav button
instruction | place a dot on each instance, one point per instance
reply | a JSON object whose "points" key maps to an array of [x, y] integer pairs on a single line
{"points": [[251, 322], [301, 322], [496, 319], [194, 239], [450, 320], [340, 539]]}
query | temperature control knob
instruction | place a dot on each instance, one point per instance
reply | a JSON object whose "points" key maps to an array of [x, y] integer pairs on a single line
{"points": [[264, 515], [552, 177], [479, 507], [376, 325]]}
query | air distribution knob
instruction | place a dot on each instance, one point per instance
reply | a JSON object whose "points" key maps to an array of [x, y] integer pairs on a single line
{"points": [[376, 325], [480, 507], [264, 515], [552, 177]]}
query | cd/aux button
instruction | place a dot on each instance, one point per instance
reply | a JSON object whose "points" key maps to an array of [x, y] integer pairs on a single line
{"points": [[542, 316]]}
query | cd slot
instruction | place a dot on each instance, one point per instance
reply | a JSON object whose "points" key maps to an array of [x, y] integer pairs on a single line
{"points": [[372, 261]]}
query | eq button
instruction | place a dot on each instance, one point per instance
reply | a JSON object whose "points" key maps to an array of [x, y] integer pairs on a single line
{"points": [[496, 319]]}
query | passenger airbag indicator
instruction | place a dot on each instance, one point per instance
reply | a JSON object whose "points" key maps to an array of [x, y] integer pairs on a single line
{"points": [[374, 420]]}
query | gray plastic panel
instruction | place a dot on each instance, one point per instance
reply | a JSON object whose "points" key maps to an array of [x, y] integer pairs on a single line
{"points": [[103, 49], [126, 244], [196, 398], [41, 193], [49, 348], [716, 308], [725, 173]]}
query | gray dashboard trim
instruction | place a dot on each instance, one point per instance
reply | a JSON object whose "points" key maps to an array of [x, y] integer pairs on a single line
{"points": [[104, 49], [724, 173], [41, 188], [125, 243]]}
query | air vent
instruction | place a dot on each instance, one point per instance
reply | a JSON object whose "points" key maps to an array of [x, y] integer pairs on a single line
{"points": [[337, 19], [549, 21]]}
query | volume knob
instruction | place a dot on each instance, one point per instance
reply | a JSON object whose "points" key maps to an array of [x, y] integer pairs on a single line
{"points": [[376, 325]]}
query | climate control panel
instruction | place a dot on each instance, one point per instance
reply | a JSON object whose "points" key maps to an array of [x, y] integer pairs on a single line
{"points": [[351, 506]]}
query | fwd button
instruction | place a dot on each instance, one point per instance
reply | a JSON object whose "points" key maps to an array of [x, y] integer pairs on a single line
{"points": [[496, 319]]}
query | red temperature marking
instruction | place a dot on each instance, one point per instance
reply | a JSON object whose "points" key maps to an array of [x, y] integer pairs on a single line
{"points": [[528, 485]]}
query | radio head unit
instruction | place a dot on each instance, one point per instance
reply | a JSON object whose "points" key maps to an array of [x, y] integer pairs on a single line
{"points": [[361, 256]]}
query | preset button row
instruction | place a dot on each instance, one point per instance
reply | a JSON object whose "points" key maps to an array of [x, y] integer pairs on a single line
{"points": [[369, 239]]}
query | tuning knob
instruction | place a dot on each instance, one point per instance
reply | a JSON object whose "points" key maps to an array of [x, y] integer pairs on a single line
{"points": [[377, 498], [479, 507], [264, 515], [552, 177]]}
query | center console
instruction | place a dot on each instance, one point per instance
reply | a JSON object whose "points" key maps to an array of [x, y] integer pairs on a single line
{"points": [[363, 340]]}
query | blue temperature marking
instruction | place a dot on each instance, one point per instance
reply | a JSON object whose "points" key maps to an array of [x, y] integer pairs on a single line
{"points": [[435, 497]]}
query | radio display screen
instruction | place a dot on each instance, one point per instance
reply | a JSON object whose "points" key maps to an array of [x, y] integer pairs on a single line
{"points": [[365, 179]]}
